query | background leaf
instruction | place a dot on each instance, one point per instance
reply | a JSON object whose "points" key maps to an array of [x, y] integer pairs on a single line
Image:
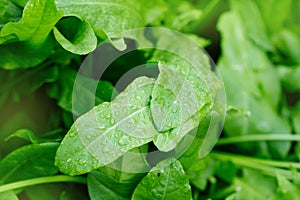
{"points": [[29, 162]]}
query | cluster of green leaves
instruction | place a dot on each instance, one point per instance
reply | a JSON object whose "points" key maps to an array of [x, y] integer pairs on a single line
{"points": [[259, 63], [43, 43]]}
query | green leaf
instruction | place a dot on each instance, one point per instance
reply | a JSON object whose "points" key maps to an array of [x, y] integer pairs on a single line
{"points": [[286, 189], [25, 134], [35, 25], [288, 43], [20, 82], [26, 43], [201, 141], [184, 90], [110, 183], [112, 17], [80, 96], [275, 13], [296, 118], [8, 195], [290, 77], [247, 187], [180, 14], [256, 30], [20, 3], [166, 180], [81, 41], [102, 186], [259, 90], [199, 176], [8, 12], [28, 162], [28, 135], [108, 131], [174, 101]]}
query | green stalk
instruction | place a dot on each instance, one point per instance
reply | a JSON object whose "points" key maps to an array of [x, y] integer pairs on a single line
{"points": [[267, 167], [272, 163], [256, 138], [42, 180]]}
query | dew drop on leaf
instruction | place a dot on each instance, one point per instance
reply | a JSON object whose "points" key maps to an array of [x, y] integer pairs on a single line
{"points": [[124, 140], [101, 127], [72, 133], [105, 149], [82, 162], [112, 122]]}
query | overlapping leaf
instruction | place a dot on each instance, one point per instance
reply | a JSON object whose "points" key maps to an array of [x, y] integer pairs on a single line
{"points": [[109, 130], [26, 43], [166, 181], [110, 17]]}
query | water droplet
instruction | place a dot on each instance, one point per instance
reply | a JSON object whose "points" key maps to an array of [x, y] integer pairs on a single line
{"points": [[128, 126], [183, 72], [108, 115], [102, 115], [72, 133], [133, 121], [105, 149], [174, 110], [112, 122], [124, 140], [156, 193], [114, 135], [101, 127], [69, 160], [103, 142], [79, 169], [89, 137], [82, 162]]}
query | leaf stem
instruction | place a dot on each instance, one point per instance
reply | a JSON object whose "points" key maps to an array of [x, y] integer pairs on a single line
{"points": [[42, 180], [255, 138], [267, 167], [272, 163]]}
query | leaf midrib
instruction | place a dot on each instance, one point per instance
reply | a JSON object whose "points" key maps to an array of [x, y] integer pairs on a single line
{"points": [[116, 125]]}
